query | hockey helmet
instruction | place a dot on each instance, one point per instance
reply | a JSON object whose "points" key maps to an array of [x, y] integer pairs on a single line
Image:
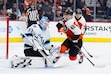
{"points": [[70, 12], [78, 11]]}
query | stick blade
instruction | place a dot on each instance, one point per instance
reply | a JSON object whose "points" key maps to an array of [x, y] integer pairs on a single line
{"points": [[99, 66], [95, 56]]}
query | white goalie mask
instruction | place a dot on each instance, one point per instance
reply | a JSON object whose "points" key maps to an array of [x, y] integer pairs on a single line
{"points": [[44, 22]]}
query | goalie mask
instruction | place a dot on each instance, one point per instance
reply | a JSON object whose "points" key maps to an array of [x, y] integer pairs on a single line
{"points": [[44, 22]]}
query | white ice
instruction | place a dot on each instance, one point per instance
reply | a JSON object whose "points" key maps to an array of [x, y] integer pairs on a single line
{"points": [[101, 50]]}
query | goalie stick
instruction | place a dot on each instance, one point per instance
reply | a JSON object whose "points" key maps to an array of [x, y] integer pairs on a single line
{"points": [[51, 62], [99, 66]]}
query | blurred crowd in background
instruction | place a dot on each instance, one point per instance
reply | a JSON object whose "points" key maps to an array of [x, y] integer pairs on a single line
{"points": [[93, 10]]}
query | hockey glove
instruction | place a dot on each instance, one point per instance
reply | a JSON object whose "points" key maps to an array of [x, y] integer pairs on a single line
{"points": [[59, 26]]}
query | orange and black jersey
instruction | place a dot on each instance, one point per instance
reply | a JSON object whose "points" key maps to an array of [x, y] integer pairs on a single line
{"points": [[72, 30]]}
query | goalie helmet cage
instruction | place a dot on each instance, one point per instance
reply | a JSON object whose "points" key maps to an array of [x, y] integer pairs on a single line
{"points": [[4, 36]]}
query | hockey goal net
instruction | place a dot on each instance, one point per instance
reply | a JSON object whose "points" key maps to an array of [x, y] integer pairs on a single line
{"points": [[4, 36]]}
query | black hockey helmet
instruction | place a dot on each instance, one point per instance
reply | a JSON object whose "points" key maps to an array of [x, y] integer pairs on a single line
{"points": [[69, 12], [78, 11], [59, 25]]}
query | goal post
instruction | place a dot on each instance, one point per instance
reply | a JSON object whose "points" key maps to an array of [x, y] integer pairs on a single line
{"points": [[4, 36]]}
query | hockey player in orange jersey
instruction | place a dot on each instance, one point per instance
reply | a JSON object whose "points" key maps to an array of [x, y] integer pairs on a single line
{"points": [[74, 32]]}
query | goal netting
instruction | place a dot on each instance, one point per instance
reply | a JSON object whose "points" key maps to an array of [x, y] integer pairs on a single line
{"points": [[4, 36]]}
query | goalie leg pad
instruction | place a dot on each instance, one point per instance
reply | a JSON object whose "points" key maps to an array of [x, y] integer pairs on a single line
{"points": [[30, 62]]}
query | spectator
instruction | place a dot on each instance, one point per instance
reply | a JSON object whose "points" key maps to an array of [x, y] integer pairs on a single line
{"points": [[108, 11], [27, 3], [58, 1], [14, 8], [58, 7], [2, 11], [48, 10], [9, 13], [63, 3], [80, 4], [40, 12], [13, 15], [39, 3], [77, 3], [2, 7], [8, 5], [23, 17], [21, 2], [59, 16], [70, 4], [51, 2], [86, 13]]}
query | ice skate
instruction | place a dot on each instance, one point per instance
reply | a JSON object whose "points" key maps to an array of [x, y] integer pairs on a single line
{"points": [[80, 58]]}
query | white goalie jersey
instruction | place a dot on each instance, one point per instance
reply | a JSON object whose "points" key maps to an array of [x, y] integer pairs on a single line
{"points": [[43, 37]]}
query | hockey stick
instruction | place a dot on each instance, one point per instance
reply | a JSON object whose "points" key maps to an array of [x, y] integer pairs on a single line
{"points": [[99, 66], [41, 52], [89, 53]]}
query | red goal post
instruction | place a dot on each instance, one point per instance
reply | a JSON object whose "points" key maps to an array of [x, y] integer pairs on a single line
{"points": [[4, 36]]}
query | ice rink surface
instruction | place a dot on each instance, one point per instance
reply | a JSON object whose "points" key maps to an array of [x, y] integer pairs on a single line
{"points": [[102, 51]]}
